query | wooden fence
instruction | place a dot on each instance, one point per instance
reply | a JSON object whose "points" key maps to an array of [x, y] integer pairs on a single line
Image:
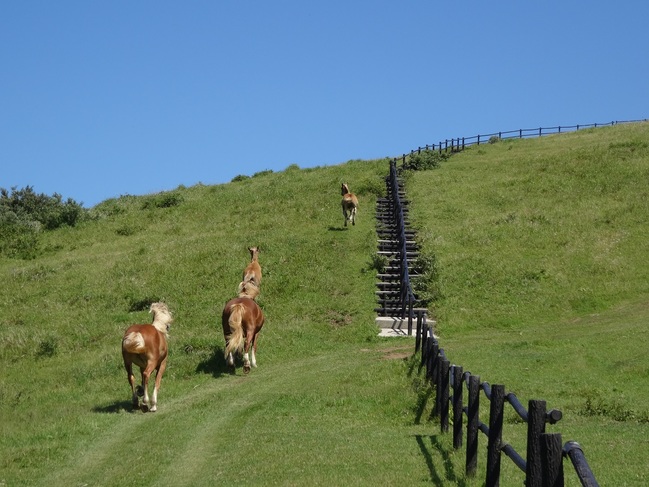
{"points": [[461, 143], [543, 464]]}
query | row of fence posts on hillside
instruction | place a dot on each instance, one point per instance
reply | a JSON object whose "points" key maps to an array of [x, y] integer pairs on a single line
{"points": [[459, 144], [545, 453]]}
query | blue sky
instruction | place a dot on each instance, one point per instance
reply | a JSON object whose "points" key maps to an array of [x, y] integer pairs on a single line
{"points": [[102, 99]]}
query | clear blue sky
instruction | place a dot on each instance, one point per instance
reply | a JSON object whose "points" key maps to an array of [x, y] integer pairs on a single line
{"points": [[102, 99]]}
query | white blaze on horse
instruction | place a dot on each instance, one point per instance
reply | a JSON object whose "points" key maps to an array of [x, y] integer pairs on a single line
{"points": [[349, 204], [146, 347], [253, 271], [242, 319]]}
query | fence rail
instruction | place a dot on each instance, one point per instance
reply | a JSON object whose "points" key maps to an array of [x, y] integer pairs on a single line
{"points": [[461, 143], [543, 464]]}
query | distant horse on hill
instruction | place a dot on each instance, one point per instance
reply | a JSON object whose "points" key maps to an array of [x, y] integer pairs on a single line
{"points": [[253, 271], [349, 204], [146, 347], [242, 319]]}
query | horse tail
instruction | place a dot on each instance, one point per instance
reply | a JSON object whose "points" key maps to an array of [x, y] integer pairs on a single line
{"points": [[235, 338], [133, 342]]}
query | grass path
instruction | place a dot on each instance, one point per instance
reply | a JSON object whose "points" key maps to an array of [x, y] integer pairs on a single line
{"points": [[290, 420]]}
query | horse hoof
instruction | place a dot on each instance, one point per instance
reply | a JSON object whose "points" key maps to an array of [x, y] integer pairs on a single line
{"points": [[144, 408], [139, 390], [246, 369]]}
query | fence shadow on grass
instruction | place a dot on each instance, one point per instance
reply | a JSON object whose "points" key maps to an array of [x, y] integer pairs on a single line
{"points": [[429, 446]]}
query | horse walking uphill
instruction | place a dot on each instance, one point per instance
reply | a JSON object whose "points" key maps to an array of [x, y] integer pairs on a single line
{"points": [[242, 319], [146, 347], [247, 289], [253, 271], [349, 204]]}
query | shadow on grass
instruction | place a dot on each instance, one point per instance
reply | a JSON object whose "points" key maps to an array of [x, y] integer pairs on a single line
{"points": [[115, 407], [337, 229], [214, 365], [432, 449]]}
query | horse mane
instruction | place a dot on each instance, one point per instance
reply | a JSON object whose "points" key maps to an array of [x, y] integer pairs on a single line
{"points": [[161, 317], [248, 289]]}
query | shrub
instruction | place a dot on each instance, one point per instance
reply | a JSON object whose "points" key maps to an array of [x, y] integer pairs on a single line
{"points": [[163, 200], [426, 159], [240, 177], [24, 214]]}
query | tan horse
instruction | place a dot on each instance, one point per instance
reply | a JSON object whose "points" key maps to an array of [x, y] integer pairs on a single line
{"points": [[146, 347], [242, 319], [349, 204], [248, 289], [253, 271]]}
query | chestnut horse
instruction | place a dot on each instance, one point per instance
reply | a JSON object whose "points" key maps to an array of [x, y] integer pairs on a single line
{"points": [[253, 271], [146, 347], [242, 320], [349, 204]]}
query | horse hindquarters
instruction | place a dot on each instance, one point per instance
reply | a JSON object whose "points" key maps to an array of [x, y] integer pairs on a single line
{"points": [[233, 330]]}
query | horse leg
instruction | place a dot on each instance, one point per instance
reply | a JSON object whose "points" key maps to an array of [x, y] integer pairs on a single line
{"points": [[246, 360], [353, 216], [158, 378], [146, 373], [131, 380], [345, 215], [253, 351]]}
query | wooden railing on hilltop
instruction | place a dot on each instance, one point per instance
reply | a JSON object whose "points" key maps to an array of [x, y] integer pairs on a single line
{"points": [[543, 464], [461, 143]]}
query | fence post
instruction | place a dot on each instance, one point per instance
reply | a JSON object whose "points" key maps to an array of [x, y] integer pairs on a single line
{"points": [[473, 419], [420, 327], [535, 428], [431, 365], [425, 349], [552, 456], [457, 406], [496, 411], [443, 394]]}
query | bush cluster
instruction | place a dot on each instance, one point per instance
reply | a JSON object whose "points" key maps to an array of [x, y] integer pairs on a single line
{"points": [[24, 214], [426, 159]]}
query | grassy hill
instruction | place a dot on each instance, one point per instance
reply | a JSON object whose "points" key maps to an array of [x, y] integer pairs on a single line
{"points": [[540, 284], [541, 279]]}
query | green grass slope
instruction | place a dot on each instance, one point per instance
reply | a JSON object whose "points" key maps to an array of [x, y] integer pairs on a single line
{"points": [[540, 285], [323, 405], [540, 279]]}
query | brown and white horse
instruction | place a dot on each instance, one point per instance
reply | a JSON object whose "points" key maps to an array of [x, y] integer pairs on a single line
{"points": [[349, 204], [146, 347], [242, 319], [253, 271]]}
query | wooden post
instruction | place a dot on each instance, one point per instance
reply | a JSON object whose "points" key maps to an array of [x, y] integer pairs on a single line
{"points": [[473, 419], [552, 460], [419, 328], [457, 406], [535, 428], [443, 394], [496, 411]]}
